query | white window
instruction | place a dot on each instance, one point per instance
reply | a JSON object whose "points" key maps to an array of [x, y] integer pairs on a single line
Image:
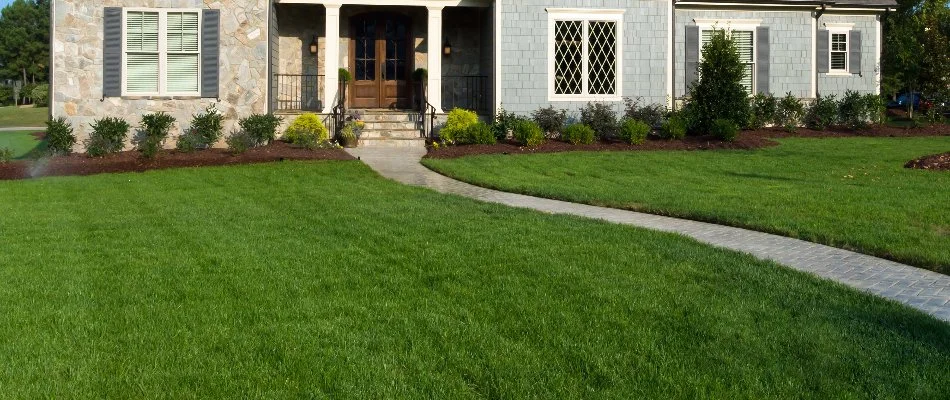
{"points": [[162, 52], [839, 39], [584, 54], [744, 37]]}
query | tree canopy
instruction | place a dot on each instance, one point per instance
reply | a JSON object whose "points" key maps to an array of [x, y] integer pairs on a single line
{"points": [[916, 48], [24, 40]]}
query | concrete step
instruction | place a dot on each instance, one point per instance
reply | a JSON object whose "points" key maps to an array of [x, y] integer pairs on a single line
{"points": [[389, 116], [391, 142], [391, 133], [390, 125]]}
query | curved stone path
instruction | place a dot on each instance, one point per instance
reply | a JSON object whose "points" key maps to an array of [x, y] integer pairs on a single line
{"points": [[918, 288]]}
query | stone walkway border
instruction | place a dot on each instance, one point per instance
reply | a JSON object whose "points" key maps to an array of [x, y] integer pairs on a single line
{"points": [[924, 290]]}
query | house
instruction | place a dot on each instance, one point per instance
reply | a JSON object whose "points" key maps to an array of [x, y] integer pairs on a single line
{"points": [[129, 57]]}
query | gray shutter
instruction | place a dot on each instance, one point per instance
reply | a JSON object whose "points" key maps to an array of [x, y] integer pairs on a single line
{"points": [[854, 52], [692, 55], [210, 52], [112, 52], [823, 48], [762, 57]]}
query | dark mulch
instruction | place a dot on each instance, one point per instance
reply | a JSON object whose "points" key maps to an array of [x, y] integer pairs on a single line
{"points": [[936, 162], [747, 140], [132, 161]]}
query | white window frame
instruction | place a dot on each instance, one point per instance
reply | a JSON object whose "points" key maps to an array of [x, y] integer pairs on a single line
{"points": [[729, 25], [586, 16], [162, 51], [839, 29]]}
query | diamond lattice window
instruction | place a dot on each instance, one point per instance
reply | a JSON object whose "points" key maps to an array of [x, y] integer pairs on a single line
{"points": [[586, 57]]}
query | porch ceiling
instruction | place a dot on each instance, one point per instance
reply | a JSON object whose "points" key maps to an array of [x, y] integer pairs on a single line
{"points": [[420, 3]]}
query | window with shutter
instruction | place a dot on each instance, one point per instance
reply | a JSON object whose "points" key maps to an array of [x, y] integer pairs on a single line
{"points": [[584, 55], [839, 52], [745, 42], [162, 52]]}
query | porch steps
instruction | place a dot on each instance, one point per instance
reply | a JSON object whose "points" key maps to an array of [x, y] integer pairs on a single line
{"points": [[391, 128]]}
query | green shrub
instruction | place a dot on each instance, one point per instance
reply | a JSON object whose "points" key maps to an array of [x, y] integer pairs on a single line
{"points": [[674, 128], [579, 134], [307, 127], [504, 124], [876, 108], [154, 131], [420, 75], [634, 131], [822, 113], [239, 142], [762, 110], [59, 136], [107, 137], [602, 119], [720, 92], [348, 137], [6, 95], [206, 130], [725, 129], [853, 111], [528, 133], [651, 114], [789, 112], [344, 76], [262, 128], [457, 122], [478, 133], [40, 95], [550, 120], [6, 155]]}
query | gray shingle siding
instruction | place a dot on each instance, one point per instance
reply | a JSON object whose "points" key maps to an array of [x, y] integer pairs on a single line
{"points": [[865, 82]]}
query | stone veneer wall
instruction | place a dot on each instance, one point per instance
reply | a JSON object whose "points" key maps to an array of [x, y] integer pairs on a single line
{"points": [[77, 65]]}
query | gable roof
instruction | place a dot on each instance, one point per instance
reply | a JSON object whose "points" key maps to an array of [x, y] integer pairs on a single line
{"points": [[845, 3]]}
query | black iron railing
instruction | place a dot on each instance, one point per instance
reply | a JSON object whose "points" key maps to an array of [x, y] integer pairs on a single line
{"points": [[466, 91], [299, 92]]}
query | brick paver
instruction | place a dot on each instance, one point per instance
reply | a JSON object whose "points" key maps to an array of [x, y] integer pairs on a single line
{"points": [[918, 288]]}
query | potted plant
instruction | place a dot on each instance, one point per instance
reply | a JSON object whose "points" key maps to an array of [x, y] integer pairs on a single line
{"points": [[348, 136]]}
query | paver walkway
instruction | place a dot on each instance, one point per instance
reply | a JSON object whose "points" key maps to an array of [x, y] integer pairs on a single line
{"points": [[918, 288]]}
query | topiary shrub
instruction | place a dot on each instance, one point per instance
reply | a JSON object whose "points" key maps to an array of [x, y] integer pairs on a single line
{"points": [[40, 95], [853, 111], [725, 130], [206, 130], [478, 133], [579, 134], [108, 136], [789, 112], [651, 114], [154, 131], [528, 133], [720, 92], [601, 118], [344, 75], [762, 110], [59, 136], [308, 127], [550, 120], [261, 128], [674, 128], [456, 124], [634, 131], [821, 113]]}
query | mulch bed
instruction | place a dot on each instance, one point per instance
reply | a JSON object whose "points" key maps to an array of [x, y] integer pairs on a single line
{"points": [[747, 140], [936, 162], [132, 161]]}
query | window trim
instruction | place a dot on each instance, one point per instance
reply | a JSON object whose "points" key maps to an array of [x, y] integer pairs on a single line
{"points": [[845, 29], [162, 51], [586, 15], [730, 25]]}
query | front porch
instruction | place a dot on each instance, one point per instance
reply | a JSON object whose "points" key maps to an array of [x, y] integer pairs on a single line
{"points": [[381, 47]]}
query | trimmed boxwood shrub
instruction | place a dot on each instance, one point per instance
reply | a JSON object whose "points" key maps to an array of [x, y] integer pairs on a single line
{"points": [[107, 137], [601, 118], [853, 111], [307, 128], [59, 136], [725, 129], [478, 133], [528, 133], [550, 120], [456, 124], [578, 134], [762, 110], [154, 131], [674, 128], [634, 131], [261, 128], [822, 113], [651, 114], [790, 112], [206, 130]]}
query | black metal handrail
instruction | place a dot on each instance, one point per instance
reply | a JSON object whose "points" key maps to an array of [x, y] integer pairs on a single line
{"points": [[465, 91], [426, 114], [299, 92], [338, 113]]}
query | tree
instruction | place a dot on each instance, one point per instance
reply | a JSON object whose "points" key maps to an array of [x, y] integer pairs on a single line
{"points": [[24, 40], [719, 94], [916, 48]]}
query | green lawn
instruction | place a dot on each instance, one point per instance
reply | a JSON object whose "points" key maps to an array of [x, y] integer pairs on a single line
{"points": [[22, 143], [846, 192], [28, 116], [324, 280]]}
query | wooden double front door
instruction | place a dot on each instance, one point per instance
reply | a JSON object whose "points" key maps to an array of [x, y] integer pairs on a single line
{"points": [[380, 59]]}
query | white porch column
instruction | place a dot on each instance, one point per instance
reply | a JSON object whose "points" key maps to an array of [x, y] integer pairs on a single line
{"points": [[331, 58], [434, 52]]}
